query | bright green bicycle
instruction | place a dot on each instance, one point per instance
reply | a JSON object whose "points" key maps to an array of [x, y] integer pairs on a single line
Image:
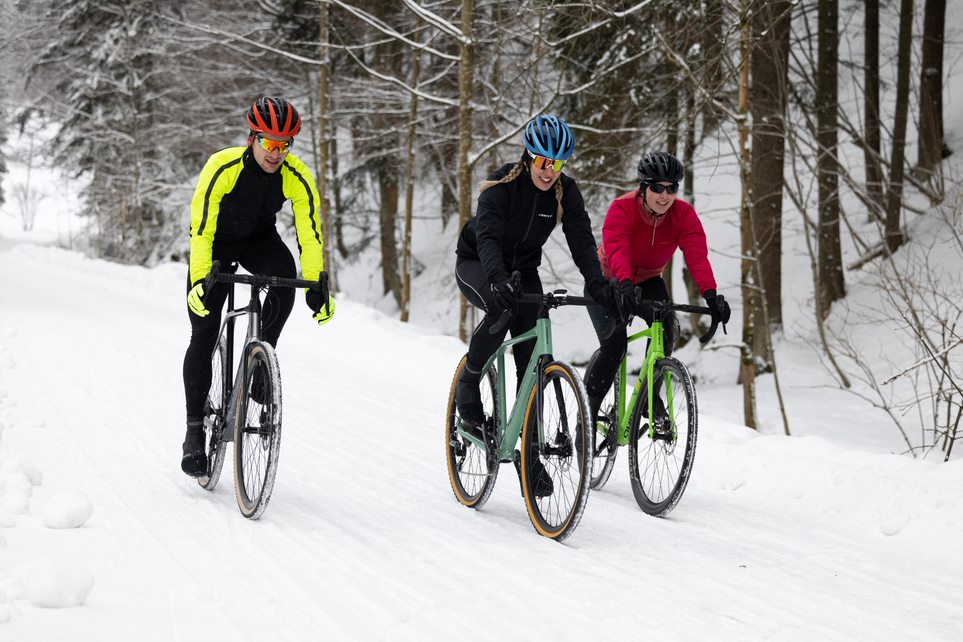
{"points": [[550, 415], [660, 431]]}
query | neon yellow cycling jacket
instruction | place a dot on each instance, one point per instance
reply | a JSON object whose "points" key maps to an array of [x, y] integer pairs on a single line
{"points": [[235, 199]]}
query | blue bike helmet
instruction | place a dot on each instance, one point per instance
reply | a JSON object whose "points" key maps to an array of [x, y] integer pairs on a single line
{"points": [[550, 137]]}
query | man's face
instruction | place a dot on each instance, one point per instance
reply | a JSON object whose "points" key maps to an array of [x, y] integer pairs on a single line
{"points": [[268, 152]]}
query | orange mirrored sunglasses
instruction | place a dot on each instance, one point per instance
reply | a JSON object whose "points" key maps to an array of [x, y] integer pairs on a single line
{"points": [[542, 162], [269, 145]]}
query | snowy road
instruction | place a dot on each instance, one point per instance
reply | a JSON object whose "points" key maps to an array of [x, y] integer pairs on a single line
{"points": [[776, 538]]}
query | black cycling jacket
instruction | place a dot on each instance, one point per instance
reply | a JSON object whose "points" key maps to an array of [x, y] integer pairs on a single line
{"points": [[514, 220]]}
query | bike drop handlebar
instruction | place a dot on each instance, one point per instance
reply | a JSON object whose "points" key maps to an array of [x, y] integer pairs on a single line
{"points": [[665, 306], [259, 281], [547, 300]]}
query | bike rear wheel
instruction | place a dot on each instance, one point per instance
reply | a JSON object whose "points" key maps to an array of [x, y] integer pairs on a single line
{"points": [[471, 470], [605, 437], [214, 413], [257, 442], [560, 452], [660, 459]]}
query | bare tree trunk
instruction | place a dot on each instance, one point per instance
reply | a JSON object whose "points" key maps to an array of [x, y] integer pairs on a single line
{"points": [[713, 41], [438, 155], [323, 143], [388, 189], [410, 179], [830, 286], [747, 369], [671, 146], [693, 295], [894, 196], [931, 145], [871, 149], [466, 82], [770, 62]]}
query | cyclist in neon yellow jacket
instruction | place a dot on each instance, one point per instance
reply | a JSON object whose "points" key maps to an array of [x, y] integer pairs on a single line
{"points": [[233, 220]]}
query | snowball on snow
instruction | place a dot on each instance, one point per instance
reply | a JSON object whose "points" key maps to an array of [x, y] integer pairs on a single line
{"points": [[20, 464], [57, 583], [67, 509], [15, 481]]}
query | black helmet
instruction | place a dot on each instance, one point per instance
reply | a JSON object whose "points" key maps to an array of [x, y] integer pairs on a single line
{"points": [[274, 116], [657, 167]]}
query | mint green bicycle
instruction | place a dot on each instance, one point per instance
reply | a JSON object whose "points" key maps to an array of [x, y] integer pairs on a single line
{"points": [[550, 415], [661, 431]]}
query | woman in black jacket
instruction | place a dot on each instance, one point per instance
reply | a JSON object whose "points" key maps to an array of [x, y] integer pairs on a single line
{"points": [[518, 207]]}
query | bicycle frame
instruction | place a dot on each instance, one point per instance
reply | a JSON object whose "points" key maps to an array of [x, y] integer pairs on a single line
{"points": [[253, 310], [509, 426], [655, 352]]}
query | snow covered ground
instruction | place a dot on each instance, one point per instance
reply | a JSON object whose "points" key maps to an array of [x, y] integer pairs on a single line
{"points": [[782, 538]]}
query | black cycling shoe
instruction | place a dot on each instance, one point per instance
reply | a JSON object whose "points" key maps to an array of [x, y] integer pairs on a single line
{"points": [[194, 460], [594, 404], [468, 398], [542, 480], [661, 425]]}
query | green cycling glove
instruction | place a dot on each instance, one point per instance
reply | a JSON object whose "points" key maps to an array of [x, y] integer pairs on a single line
{"points": [[323, 316], [314, 300], [195, 300]]}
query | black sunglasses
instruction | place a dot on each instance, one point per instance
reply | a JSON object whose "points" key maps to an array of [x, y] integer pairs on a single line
{"points": [[658, 188]]}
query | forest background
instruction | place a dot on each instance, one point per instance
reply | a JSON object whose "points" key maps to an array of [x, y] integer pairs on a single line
{"points": [[825, 119]]}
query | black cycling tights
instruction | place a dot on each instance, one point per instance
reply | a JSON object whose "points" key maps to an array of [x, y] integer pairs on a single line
{"points": [[476, 288], [262, 254], [602, 366]]}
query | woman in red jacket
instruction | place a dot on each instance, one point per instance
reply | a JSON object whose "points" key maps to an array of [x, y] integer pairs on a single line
{"points": [[642, 231]]}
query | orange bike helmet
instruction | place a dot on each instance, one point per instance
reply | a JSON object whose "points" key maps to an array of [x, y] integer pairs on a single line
{"points": [[275, 117]]}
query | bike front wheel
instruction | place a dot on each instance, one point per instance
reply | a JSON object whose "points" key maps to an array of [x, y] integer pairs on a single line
{"points": [[472, 470], [661, 456], [257, 442], [556, 457]]}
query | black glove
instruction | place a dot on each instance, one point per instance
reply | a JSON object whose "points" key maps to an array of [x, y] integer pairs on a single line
{"points": [[627, 297], [503, 294], [317, 298], [605, 294], [631, 304], [718, 306]]}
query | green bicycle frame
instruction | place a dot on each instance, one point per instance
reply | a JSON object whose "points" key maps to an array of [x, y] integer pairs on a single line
{"points": [[509, 427], [655, 352]]}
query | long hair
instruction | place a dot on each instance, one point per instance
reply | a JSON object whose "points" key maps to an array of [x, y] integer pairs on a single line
{"points": [[517, 171]]}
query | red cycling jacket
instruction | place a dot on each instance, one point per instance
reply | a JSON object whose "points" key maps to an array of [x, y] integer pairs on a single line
{"points": [[637, 245]]}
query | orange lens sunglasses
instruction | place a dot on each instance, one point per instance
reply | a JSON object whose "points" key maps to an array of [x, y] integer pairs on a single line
{"points": [[269, 145], [541, 162]]}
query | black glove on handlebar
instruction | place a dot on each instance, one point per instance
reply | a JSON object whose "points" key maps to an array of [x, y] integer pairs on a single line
{"points": [[504, 295], [317, 298], [628, 297], [718, 306], [605, 294]]}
